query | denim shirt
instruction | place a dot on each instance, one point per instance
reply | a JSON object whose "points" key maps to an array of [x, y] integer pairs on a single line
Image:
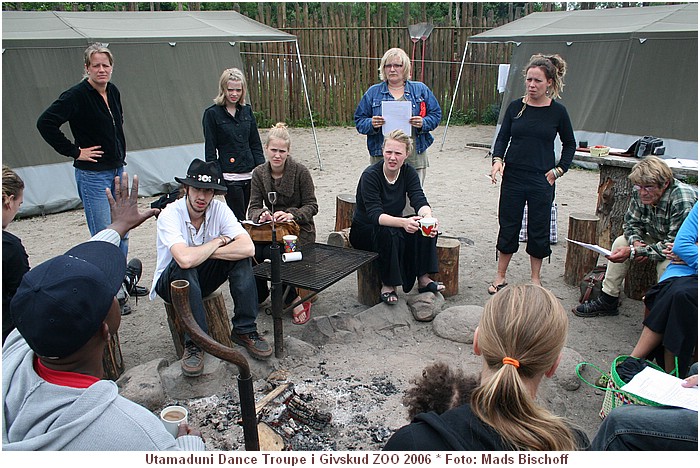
{"points": [[371, 104]]}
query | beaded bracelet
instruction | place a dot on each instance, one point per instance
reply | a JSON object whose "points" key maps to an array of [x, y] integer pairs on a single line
{"points": [[496, 159]]}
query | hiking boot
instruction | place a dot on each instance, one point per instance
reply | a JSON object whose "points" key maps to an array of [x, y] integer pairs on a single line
{"points": [[192, 361], [254, 343], [132, 277], [601, 306]]}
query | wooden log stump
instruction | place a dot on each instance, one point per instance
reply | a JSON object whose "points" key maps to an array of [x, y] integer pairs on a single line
{"points": [[448, 260], [217, 319], [369, 284], [340, 238], [579, 260], [344, 210], [640, 277], [614, 195], [112, 360]]}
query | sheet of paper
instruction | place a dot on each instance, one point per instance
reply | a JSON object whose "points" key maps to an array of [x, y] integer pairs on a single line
{"points": [[662, 388], [247, 221], [396, 116], [593, 247]]}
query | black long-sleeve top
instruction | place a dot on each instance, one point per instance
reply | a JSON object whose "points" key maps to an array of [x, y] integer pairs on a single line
{"points": [[235, 140], [531, 137], [91, 122], [375, 196]]}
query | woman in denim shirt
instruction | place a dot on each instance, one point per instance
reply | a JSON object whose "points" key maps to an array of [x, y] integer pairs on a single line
{"points": [[394, 71], [231, 137]]}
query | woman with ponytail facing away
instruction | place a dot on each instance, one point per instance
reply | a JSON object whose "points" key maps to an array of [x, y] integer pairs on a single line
{"points": [[517, 351]]}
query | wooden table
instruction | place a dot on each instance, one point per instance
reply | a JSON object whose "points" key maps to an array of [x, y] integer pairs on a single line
{"points": [[614, 195], [320, 267]]}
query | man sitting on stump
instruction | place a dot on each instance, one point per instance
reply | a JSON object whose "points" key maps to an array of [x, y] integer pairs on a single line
{"points": [[658, 207], [200, 240]]}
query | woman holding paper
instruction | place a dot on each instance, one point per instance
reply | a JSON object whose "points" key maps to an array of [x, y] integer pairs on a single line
{"points": [[296, 201], [395, 86]]}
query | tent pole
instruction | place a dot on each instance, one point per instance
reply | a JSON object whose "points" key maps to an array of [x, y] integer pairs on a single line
{"points": [[308, 104], [454, 95]]}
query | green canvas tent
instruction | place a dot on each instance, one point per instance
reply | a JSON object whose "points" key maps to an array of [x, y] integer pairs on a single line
{"points": [[167, 67], [631, 71]]}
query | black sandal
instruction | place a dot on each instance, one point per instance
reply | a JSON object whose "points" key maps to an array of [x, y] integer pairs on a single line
{"points": [[386, 296]]}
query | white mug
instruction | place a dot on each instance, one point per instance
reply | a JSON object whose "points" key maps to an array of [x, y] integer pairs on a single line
{"points": [[427, 225], [172, 416]]}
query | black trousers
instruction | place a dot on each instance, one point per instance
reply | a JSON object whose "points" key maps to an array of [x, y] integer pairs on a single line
{"points": [[238, 197], [517, 188], [403, 257]]}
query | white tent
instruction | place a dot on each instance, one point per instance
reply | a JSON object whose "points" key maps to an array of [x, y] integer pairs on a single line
{"points": [[631, 71], [167, 66]]}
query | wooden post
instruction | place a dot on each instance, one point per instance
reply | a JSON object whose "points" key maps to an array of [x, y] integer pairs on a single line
{"points": [[448, 260], [369, 284], [112, 360], [217, 319], [344, 210], [579, 260]]}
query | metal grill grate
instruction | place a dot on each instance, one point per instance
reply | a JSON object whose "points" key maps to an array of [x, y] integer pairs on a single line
{"points": [[321, 266]]}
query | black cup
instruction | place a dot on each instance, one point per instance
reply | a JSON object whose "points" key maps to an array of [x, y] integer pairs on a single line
{"points": [[583, 144]]}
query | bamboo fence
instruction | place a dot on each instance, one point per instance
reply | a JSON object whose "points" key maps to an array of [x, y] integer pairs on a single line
{"points": [[341, 55]]}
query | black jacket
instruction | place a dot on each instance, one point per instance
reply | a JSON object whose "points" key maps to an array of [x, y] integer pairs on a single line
{"points": [[91, 123], [234, 141], [456, 429]]}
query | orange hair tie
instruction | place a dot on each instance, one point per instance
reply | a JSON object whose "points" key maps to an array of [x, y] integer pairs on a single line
{"points": [[511, 361]]}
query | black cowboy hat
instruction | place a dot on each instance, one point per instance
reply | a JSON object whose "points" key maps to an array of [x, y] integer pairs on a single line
{"points": [[204, 175]]}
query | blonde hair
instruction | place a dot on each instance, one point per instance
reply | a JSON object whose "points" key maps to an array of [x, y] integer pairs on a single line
{"points": [[651, 170], [554, 68], [401, 137], [96, 48], [278, 132], [401, 55], [231, 74], [12, 184], [526, 323]]}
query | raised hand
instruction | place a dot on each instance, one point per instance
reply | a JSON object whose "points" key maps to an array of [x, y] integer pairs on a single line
{"points": [[124, 207]]}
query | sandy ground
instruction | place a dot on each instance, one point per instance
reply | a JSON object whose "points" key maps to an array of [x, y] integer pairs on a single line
{"points": [[465, 202]]}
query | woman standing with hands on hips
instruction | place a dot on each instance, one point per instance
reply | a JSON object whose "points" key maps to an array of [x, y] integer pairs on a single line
{"points": [[378, 225], [231, 137], [394, 73], [296, 201], [528, 167], [93, 110]]}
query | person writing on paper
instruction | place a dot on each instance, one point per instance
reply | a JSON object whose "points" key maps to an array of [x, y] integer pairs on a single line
{"points": [[395, 85], [658, 207], [657, 428], [673, 303], [54, 393], [523, 156], [296, 201], [499, 411], [406, 252]]}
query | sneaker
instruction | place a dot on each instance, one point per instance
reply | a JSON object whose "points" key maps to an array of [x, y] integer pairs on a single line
{"points": [[140, 291], [192, 361], [254, 343], [132, 277], [596, 307]]}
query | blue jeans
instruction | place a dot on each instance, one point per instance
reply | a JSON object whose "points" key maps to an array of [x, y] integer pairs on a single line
{"points": [[205, 279], [637, 427], [91, 189]]}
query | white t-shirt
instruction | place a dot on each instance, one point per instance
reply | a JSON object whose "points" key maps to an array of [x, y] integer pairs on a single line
{"points": [[174, 227]]}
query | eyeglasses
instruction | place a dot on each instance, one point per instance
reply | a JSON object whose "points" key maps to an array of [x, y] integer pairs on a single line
{"points": [[394, 65], [646, 188]]}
